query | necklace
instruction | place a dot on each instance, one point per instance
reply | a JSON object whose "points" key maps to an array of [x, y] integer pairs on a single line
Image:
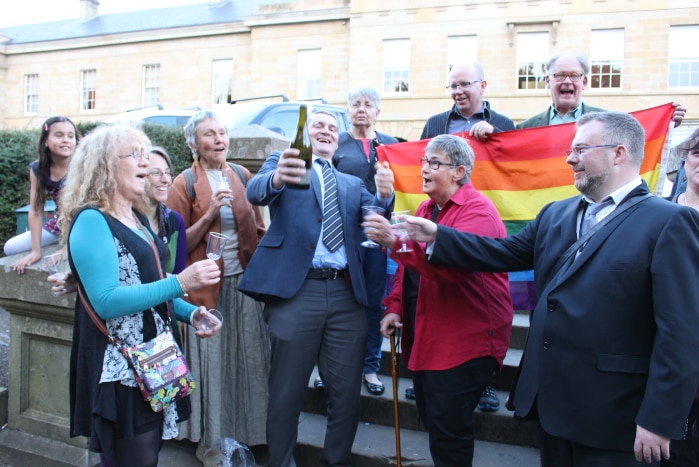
{"points": [[130, 220], [685, 200]]}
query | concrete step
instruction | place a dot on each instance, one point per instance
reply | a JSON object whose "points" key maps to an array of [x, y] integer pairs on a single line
{"points": [[374, 446], [499, 426], [505, 378]]}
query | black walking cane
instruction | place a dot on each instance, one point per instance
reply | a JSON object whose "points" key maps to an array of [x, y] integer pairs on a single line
{"points": [[394, 374]]}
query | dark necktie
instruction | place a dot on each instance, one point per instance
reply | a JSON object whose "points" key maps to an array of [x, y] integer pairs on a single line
{"points": [[590, 218], [332, 222]]}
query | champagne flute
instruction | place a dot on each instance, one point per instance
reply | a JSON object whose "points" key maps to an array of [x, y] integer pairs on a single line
{"points": [[224, 183], [401, 228], [215, 245], [366, 210], [57, 266], [208, 321]]}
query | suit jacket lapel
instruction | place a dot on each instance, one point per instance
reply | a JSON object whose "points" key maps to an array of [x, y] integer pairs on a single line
{"points": [[341, 196], [317, 190], [598, 239]]}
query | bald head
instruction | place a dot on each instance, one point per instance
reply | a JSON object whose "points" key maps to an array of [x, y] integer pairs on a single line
{"points": [[467, 85]]}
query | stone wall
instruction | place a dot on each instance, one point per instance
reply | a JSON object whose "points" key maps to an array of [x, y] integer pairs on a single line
{"points": [[40, 338]]}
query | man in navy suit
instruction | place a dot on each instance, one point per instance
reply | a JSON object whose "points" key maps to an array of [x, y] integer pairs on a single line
{"points": [[314, 290], [610, 366]]}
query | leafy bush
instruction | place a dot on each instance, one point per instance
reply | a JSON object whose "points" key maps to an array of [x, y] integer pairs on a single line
{"points": [[18, 148]]}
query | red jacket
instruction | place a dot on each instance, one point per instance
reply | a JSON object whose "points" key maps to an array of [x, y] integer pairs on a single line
{"points": [[461, 315]]}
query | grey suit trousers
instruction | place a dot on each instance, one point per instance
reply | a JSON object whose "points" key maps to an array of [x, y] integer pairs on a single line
{"points": [[322, 323]]}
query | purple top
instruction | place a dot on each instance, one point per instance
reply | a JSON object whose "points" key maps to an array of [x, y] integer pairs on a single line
{"points": [[53, 189]]}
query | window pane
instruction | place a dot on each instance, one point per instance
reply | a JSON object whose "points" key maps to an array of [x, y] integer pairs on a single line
{"points": [[532, 53], [151, 85], [606, 58], [31, 94], [222, 86], [308, 74], [461, 49], [683, 66], [87, 91], [396, 66]]}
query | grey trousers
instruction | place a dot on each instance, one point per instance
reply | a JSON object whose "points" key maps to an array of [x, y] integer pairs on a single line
{"points": [[323, 323]]}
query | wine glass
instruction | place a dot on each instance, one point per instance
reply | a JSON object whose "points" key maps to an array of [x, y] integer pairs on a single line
{"points": [[366, 210], [57, 266], [401, 228], [215, 245], [225, 184], [208, 321]]}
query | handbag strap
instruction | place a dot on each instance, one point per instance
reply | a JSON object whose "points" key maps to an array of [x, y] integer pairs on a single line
{"points": [[582, 241], [157, 262], [95, 319]]}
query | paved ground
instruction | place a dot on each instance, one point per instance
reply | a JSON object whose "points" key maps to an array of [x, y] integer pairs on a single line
{"points": [[4, 345]]}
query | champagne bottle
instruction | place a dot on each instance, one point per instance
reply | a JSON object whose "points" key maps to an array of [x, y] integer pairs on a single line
{"points": [[302, 142]]}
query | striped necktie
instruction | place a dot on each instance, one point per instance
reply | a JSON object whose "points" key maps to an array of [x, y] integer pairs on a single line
{"points": [[332, 222], [589, 220]]}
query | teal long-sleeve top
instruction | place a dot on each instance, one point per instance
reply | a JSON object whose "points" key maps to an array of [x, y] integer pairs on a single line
{"points": [[95, 257]]}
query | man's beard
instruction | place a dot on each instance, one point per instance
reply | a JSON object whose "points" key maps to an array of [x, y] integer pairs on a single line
{"points": [[590, 183]]}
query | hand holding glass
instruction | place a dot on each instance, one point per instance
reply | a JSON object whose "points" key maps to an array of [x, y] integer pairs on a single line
{"points": [[58, 268], [215, 245], [208, 321], [366, 210], [401, 229], [225, 184]]}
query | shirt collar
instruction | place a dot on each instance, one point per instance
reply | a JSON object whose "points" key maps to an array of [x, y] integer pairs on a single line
{"points": [[621, 193], [483, 111], [572, 116]]}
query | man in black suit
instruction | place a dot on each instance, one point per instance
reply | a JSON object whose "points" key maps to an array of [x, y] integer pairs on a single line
{"points": [[610, 366]]}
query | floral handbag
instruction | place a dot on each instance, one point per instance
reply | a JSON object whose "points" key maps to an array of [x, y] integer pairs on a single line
{"points": [[159, 366], [161, 370]]}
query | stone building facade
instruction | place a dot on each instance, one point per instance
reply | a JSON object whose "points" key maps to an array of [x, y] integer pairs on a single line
{"points": [[643, 54]]}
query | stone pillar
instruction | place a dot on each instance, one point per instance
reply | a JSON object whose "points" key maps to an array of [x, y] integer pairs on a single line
{"points": [[41, 330], [250, 146]]}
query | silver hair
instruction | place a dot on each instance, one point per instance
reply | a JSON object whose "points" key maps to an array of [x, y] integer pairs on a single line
{"points": [[457, 150], [364, 91], [579, 56], [190, 129]]}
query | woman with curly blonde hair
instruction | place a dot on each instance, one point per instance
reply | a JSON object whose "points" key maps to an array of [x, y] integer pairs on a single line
{"points": [[114, 257]]}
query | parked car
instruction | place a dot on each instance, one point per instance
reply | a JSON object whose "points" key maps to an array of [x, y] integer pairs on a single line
{"points": [[280, 117], [155, 114]]}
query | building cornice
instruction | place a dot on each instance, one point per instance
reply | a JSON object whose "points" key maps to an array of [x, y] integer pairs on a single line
{"points": [[126, 38], [297, 17]]}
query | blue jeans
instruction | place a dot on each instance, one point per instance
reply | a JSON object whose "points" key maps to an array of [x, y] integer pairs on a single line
{"points": [[375, 274]]}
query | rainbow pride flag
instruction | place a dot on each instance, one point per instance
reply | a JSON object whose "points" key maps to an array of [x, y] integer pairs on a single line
{"points": [[521, 171]]}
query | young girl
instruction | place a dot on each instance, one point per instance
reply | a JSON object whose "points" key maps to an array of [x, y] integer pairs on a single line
{"points": [[57, 142]]}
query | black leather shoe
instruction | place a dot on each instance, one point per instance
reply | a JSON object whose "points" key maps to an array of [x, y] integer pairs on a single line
{"points": [[318, 383], [374, 389], [410, 393]]}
